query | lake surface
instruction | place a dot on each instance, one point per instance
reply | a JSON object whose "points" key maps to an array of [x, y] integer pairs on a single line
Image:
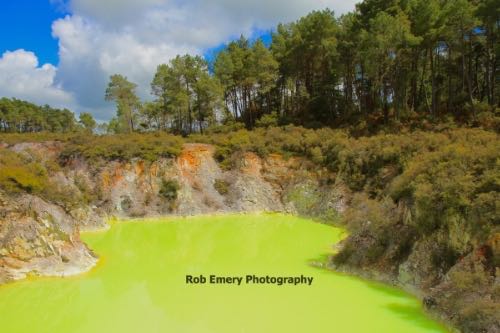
{"points": [[140, 285]]}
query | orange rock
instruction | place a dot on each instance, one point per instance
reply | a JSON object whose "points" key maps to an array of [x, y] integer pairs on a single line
{"points": [[139, 168], [12, 262], [118, 175], [252, 164], [154, 170], [191, 158]]}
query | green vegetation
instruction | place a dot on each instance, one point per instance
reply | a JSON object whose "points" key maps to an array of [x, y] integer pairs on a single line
{"points": [[168, 189], [474, 313], [447, 183], [18, 173], [13, 138], [24, 117], [248, 73], [388, 64], [88, 122], [122, 92], [434, 197], [186, 96], [221, 186], [27, 173], [124, 147]]}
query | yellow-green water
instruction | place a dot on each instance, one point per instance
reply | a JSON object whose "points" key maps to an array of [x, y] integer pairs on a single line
{"points": [[139, 285]]}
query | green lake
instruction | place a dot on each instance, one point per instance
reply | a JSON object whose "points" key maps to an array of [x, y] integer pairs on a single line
{"points": [[140, 284]]}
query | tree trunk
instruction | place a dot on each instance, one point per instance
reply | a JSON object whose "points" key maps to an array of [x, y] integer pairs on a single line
{"points": [[433, 83], [414, 73], [467, 78]]}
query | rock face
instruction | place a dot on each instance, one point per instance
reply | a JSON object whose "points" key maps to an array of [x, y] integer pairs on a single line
{"points": [[42, 237]]}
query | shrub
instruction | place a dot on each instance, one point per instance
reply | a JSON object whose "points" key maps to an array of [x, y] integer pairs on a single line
{"points": [[466, 281], [223, 156], [88, 195], [480, 315], [13, 138], [20, 174], [377, 234], [268, 120], [23, 173], [489, 120], [149, 147], [168, 189], [221, 186], [316, 155]]}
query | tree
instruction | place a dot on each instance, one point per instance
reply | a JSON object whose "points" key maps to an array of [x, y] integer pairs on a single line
{"points": [[87, 121], [21, 116], [387, 63], [187, 95], [385, 54], [122, 92], [265, 74], [159, 87], [460, 22], [208, 98], [248, 74], [307, 53], [232, 68], [488, 11], [150, 116]]}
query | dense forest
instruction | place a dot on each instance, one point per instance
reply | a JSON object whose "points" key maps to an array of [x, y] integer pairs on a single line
{"points": [[388, 63], [25, 117]]}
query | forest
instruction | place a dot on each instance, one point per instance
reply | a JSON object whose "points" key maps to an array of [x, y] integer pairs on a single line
{"points": [[24, 117], [388, 64]]}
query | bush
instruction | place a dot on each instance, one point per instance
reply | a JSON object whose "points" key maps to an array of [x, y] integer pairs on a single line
{"points": [[466, 281], [480, 315], [456, 181], [88, 195], [223, 156], [13, 138], [221, 186], [149, 147], [267, 120], [20, 174], [168, 189], [378, 235], [23, 173], [489, 120]]}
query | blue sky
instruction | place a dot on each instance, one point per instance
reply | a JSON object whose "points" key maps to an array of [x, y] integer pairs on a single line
{"points": [[65, 58], [26, 24]]}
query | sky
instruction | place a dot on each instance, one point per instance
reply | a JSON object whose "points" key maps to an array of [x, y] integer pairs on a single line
{"points": [[62, 52]]}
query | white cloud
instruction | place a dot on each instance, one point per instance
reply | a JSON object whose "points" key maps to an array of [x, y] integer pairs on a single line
{"points": [[117, 12], [257, 12], [89, 54], [100, 38], [22, 77]]}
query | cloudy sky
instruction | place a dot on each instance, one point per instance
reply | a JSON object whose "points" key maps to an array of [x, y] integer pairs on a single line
{"points": [[61, 52]]}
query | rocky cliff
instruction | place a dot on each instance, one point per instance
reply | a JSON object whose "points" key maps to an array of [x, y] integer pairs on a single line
{"points": [[41, 236]]}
